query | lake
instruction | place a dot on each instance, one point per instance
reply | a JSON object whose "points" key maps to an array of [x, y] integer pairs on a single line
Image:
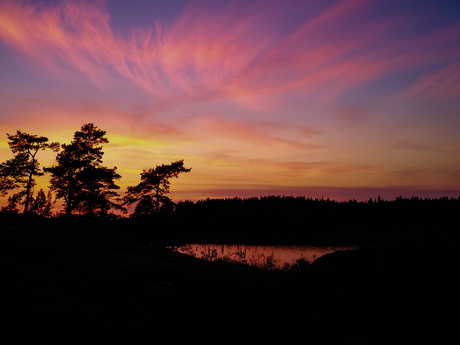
{"points": [[258, 255]]}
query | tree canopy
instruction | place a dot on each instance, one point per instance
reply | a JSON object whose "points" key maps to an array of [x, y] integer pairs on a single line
{"points": [[19, 171], [150, 194], [79, 178]]}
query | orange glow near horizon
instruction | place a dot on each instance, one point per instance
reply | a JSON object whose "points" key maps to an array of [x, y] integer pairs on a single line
{"points": [[344, 99]]}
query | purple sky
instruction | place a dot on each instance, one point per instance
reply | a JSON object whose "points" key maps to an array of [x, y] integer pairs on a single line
{"points": [[339, 99]]}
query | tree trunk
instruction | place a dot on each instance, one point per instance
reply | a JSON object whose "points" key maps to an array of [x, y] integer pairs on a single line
{"points": [[69, 203], [157, 202], [29, 186]]}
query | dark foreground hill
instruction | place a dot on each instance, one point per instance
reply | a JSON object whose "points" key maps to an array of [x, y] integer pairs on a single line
{"points": [[83, 283]]}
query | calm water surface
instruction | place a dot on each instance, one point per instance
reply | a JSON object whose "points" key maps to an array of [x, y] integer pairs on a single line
{"points": [[279, 256]]}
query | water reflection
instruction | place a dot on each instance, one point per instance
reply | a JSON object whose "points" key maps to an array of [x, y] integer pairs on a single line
{"points": [[262, 256]]}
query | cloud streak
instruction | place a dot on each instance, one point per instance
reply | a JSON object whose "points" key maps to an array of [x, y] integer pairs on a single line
{"points": [[440, 85], [227, 53]]}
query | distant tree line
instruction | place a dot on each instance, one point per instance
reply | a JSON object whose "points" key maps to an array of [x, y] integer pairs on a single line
{"points": [[79, 178], [298, 220]]}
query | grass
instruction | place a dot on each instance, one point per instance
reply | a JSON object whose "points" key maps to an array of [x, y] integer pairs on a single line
{"points": [[241, 256]]}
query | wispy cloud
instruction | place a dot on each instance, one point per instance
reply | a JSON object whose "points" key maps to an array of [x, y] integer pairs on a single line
{"points": [[440, 85], [417, 146], [226, 54]]}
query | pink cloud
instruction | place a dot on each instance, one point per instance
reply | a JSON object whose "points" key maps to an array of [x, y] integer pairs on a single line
{"points": [[262, 134], [324, 168], [417, 146], [441, 85], [223, 54]]}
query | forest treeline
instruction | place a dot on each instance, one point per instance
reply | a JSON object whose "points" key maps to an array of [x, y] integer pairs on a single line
{"points": [[300, 220], [276, 220]]}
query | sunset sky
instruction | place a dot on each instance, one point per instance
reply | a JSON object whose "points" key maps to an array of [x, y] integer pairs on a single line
{"points": [[340, 99]]}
